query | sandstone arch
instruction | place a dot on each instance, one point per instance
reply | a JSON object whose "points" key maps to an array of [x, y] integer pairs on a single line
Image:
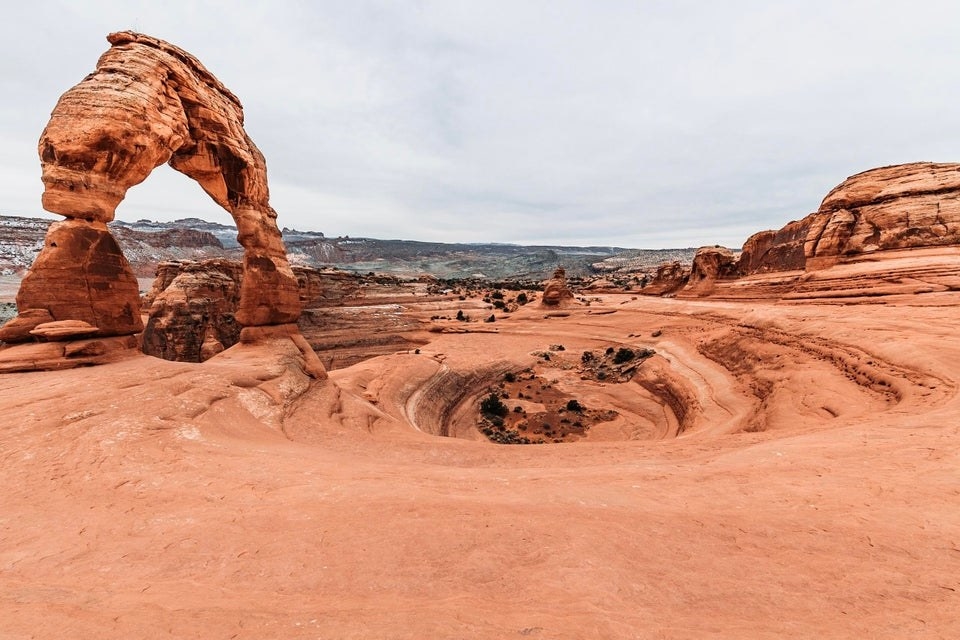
{"points": [[147, 102]]}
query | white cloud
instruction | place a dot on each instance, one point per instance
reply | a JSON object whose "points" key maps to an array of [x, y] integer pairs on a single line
{"points": [[632, 123]]}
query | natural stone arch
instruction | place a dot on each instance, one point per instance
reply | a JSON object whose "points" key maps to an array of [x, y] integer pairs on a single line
{"points": [[147, 103]]}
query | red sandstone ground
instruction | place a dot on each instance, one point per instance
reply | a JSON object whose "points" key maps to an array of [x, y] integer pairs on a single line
{"points": [[814, 488]]}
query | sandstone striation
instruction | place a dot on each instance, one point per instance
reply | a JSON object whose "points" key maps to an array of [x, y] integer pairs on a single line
{"points": [[555, 290], [709, 265], [192, 310], [780, 250], [192, 306], [80, 274], [669, 278], [148, 103]]}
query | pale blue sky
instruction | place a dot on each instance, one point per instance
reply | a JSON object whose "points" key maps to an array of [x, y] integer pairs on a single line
{"points": [[644, 124]]}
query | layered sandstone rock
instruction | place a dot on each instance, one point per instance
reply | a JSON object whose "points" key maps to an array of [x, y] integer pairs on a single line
{"points": [[709, 265], [192, 310], [780, 250], [555, 290], [148, 103], [669, 278], [80, 274], [192, 306]]}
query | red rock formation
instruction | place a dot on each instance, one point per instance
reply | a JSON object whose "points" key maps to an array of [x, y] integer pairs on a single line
{"points": [[192, 305], [555, 290], [192, 310], [709, 265], [780, 250], [80, 274], [897, 207], [147, 103], [670, 277]]}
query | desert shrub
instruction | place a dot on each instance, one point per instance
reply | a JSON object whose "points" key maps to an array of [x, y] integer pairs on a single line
{"points": [[462, 317], [623, 355], [573, 405], [499, 304], [586, 357], [497, 295], [522, 298], [492, 406], [492, 318], [518, 409], [510, 376], [609, 351]]}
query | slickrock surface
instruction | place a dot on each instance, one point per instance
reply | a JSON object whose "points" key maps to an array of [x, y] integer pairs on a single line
{"points": [[812, 491]]}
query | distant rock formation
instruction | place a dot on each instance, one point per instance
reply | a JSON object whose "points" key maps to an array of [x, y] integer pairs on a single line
{"points": [[875, 213], [192, 310], [709, 265], [555, 290], [147, 103], [192, 305], [669, 278]]}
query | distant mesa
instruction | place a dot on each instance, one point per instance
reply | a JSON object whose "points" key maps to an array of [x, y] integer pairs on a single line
{"points": [[147, 103]]}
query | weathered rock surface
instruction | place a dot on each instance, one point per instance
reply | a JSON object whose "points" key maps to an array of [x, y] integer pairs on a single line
{"points": [[80, 274], [709, 265], [192, 305], [555, 290], [780, 250], [669, 278], [897, 207], [147, 103], [192, 310]]}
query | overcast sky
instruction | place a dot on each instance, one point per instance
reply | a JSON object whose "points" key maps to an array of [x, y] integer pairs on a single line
{"points": [[638, 124]]}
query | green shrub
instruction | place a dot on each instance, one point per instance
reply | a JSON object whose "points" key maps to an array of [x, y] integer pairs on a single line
{"points": [[492, 406], [623, 355]]}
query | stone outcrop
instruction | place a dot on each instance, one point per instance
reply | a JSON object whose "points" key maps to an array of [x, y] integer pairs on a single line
{"points": [[192, 305], [780, 250], [192, 310], [709, 265], [555, 290], [669, 278], [148, 103], [897, 207], [80, 274], [890, 208]]}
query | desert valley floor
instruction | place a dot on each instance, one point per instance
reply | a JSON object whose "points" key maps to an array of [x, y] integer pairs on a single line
{"points": [[795, 475]]}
